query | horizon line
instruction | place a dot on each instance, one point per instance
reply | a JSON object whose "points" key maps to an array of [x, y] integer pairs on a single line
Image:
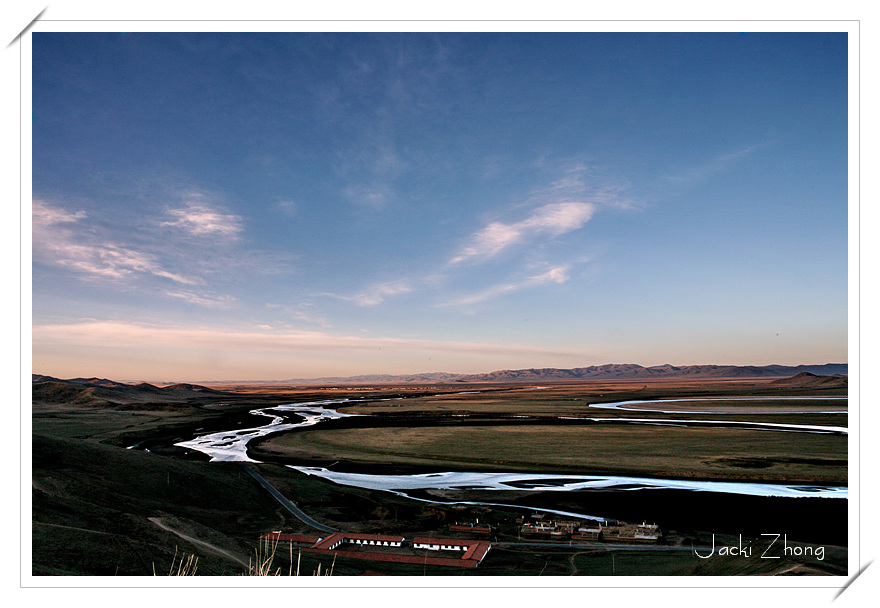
{"points": [[400, 377]]}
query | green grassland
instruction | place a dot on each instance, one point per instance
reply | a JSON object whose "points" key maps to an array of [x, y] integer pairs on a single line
{"points": [[750, 403], [485, 437], [570, 399], [709, 453]]}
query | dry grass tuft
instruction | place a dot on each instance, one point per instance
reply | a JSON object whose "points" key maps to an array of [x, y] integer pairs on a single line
{"points": [[260, 565], [186, 566], [265, 553]]}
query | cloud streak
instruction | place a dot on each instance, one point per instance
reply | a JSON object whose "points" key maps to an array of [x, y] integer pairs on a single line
{"points": [[198, 238], [558, 274], [206, 301], [552, 220], [199, 219], [129, 334], [561, 207], [55, 243], [377, 293], [714, 166]]}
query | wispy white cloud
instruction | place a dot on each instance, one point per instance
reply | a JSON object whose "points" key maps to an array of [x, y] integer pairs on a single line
{"points": [[376, 294], [302, 312], [56, 243], [366, 196], [105, 248], [552, 220], [45, 215], [200, 219], [557, 274], [206, 301], [581, 181], [713, 166], [555, 209]]}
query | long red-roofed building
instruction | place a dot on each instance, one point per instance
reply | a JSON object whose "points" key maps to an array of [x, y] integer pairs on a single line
{"points": [[385, 548], [442, 544], [340, 538]]}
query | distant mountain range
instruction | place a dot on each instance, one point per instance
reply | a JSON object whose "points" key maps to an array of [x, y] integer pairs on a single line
{"points": [[88, 391], [614, 371]]}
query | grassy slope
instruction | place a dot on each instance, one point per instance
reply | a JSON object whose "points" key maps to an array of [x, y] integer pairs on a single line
{"points": [[92, 504]]}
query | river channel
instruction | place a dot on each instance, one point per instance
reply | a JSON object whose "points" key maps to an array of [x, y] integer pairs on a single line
{"points": [[232, 446]]}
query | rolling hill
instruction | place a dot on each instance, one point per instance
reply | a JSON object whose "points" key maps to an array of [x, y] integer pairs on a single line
{"points": [[103, 392]]}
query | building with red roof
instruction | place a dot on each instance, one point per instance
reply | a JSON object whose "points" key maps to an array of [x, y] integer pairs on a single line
{"points": [[338, 539], [385, 548]]}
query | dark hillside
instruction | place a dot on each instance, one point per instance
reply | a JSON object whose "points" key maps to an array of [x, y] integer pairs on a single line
{"points": [[806, 379], [92, 505], [101, 392]]}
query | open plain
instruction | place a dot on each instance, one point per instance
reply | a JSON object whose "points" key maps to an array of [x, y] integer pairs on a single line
{"points": [[114, 494]]}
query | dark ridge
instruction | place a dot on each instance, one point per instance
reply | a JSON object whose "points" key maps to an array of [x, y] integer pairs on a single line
{"points": [[144, 386], [103, 392], [97, 382], [814, 380], [189, 387]]}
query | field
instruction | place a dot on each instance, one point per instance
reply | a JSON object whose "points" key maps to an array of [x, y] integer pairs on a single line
{"points": [[424, 432], [705, 453], [99, 508]]}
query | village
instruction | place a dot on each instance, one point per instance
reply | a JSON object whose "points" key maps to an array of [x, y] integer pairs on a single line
{"points": [[609, 532], [463, 552]]}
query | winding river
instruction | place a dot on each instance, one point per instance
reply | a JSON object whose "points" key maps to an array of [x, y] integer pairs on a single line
{"points": [[628, 406], [232, 446]]}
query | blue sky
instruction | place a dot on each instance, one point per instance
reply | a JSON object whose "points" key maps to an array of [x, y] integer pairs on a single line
{"points": [[271, 206]]}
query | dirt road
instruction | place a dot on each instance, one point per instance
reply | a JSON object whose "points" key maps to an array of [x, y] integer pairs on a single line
{"points": [[236, 557]]}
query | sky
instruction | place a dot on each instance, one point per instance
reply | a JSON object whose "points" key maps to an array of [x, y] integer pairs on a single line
{"points": [[271, 206]]}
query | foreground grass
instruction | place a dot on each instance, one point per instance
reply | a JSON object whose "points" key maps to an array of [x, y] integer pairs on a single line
{"points": [[264, 561], [262, 564], [186, 565]]}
